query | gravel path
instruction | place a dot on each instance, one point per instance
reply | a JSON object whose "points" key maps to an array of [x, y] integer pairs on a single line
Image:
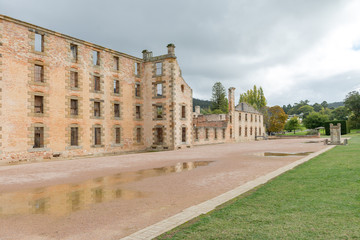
{"points": [[112, 197]]}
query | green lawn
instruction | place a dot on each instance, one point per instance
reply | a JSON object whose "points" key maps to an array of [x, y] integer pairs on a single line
{"points": [[318, 200]]}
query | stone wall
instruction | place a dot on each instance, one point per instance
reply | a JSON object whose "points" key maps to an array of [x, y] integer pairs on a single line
{"points": [[20, 86]]}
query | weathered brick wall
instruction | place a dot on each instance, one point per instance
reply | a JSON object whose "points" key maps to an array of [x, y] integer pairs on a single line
{"points": [[19, 118], [152, 101], [182, 96], [254, 121]]}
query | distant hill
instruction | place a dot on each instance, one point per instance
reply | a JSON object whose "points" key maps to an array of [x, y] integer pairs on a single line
{"points": [[335, 104], [202, 103]]}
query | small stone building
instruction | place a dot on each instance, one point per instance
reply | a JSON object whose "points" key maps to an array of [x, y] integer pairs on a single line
{"points": [[242, 123], [62, 96]]}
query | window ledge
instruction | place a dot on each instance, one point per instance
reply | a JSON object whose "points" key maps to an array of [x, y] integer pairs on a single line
{"points": [[73, 147], [43, 149], [117, 145], [97, 146]]}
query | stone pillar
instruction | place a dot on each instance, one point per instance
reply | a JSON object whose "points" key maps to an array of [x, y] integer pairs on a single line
{"points": [[335, 134], [197, 110], [171, 49]]}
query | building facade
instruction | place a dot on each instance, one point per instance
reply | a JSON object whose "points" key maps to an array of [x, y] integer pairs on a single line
{"points": [[242, 123], [62, 96]]}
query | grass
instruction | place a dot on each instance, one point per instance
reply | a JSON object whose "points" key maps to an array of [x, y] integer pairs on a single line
{"points": [[318, 200], [297, 133]]}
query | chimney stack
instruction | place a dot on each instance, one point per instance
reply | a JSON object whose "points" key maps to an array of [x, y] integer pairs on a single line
{"points": [[147, 55], [231, 99], [197, 110], [171, 49]]}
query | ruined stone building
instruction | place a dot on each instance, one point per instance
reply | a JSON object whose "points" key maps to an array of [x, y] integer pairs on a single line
{"points": [[62, 96], [242, 123]]}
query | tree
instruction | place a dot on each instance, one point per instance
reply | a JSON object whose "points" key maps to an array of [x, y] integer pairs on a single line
{"points": [[317, 107], [339, 113], [254, 97], [352, 102], [305, 110], [287, 108], [275, 119], [293, 124], [218, 99], [314, 120], [295, 108], [324, 104]]}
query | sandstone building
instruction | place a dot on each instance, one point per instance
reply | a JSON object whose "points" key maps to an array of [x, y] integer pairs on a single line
{"points": [[242, 123], [63, 97]]}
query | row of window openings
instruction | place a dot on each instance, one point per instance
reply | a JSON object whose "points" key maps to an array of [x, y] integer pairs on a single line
{"points": [[74, 136], [207, 133], [39, 47], [74, 82], [251, 131], [223, 132], [160, 138], [251, 117], [74, 108]]}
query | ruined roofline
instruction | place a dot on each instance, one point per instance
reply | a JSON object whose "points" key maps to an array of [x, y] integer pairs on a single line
{"points": [[48, 31], [245, 107]]}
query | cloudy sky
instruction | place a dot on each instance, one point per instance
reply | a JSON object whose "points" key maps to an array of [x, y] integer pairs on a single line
{"points": [[294, 49]]}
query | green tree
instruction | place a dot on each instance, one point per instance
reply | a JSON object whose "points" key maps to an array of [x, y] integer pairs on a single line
{"points": [[295, 108], [314, 120], [218, 99], [287, 108], [254, 97], [324, 104], [205, 111], [317, 107], [339, 113], [352, 103], [275, 119], [293, 124], [305, 110]]}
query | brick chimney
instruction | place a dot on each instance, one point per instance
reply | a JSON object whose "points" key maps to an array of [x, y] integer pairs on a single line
{"points": [[197, 110], [231, 99], [171, 49], [147, 55]]}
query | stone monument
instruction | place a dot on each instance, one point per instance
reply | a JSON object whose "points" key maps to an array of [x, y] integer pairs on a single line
{"points": [[335, 134]]}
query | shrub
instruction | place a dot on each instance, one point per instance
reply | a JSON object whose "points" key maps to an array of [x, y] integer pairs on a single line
{"points": [[344, 127], [312, 132]]}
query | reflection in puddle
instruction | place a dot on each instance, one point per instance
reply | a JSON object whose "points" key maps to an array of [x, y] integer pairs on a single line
{"points": [[278, 154], [66, 198]]}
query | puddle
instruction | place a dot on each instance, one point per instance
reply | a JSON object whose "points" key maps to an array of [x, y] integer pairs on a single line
{"points": [[283, 154], [313, 141], [63, 199]]}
